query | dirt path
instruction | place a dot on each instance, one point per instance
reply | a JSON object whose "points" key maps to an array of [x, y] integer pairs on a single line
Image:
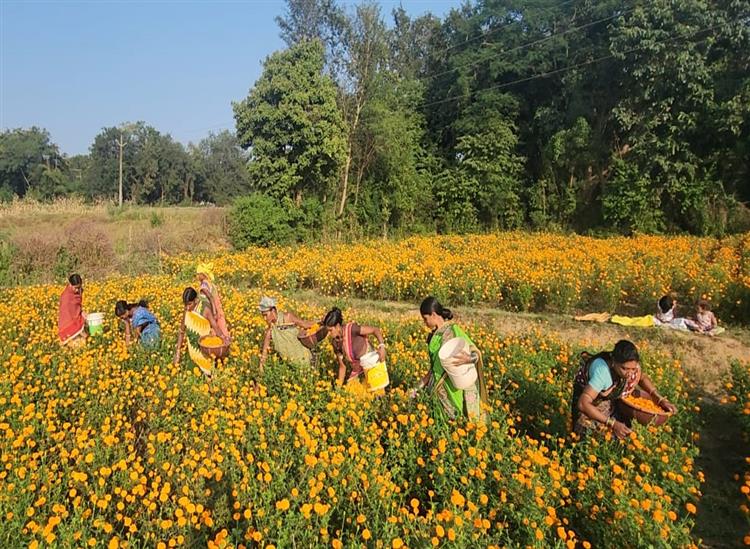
{"points": [[706, 360]]}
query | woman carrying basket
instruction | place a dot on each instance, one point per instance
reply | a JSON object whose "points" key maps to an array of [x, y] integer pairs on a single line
{"points": [[209, 290], [199, 320], [604, 378], [454, 402]]}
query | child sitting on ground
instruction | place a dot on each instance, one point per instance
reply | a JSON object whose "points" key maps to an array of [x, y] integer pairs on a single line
{"points": [[704, 318], [665, 316]]}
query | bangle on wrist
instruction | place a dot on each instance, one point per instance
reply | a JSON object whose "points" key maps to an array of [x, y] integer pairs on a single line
{"points": [[381, 345], [610, 422]]}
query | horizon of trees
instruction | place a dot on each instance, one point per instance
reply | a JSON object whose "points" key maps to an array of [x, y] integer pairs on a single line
{"points": [[614, 115]]}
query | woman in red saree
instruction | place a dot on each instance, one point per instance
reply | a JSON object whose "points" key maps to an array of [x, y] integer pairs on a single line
{"points": [[71, 325]]}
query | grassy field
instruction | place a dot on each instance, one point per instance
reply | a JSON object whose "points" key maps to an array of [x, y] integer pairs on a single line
{"points": [[41, 242]]}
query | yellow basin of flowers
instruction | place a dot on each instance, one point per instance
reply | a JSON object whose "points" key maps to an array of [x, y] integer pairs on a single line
{"points": [[214, 346], [645, 405], [212, 341]]}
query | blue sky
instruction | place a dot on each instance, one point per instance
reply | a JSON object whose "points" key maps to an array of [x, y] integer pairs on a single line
{"points": [[76, 67]]}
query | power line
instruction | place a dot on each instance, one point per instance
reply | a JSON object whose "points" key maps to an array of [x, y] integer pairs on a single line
{"points": [[496, 29], [527, 45], [565, 69]]}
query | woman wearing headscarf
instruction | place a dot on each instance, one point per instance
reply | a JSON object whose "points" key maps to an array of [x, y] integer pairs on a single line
{"points": [[205, 273], [283, 334]]}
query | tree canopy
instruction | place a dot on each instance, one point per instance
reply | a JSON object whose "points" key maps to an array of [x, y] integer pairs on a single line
{"points": [[604, 116]]}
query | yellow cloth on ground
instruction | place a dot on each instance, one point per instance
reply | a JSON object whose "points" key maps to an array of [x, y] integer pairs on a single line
{"points": [[639, 321], [593, 317]]}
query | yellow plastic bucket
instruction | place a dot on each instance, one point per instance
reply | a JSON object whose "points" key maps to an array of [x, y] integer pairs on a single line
{"points": [[377, 377]]}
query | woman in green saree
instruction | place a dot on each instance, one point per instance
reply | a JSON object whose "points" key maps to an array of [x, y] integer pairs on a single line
{"points": [[454, 402]]}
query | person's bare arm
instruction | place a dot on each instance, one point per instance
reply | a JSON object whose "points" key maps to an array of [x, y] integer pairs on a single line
{"points": [[127, 332], [180, 338], [648, 386], [265, 348], [342, 370], [297, 321], [208, 314], [367, 331]]}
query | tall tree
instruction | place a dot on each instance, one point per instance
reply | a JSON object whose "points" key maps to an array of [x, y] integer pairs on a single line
{"points": [[220, 166], [673, 66], [365, 45], [308, 20], [291, 125], [31, 164], [154, 165]]}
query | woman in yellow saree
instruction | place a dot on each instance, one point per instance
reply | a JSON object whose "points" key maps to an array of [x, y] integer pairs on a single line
{"points": [[198, 321]]}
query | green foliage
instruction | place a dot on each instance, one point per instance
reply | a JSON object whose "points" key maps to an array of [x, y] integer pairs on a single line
{"points": [[292, 126], [259, 220], [157, 219], [630, 201], [218, 170], [592, 116], [65, 263], [30, 164], [488, 162], [455, 196], [7, 251]]}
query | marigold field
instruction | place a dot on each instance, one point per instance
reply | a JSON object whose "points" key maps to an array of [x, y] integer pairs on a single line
{"points": [[109, 446], [515, 271], [739, 390]]}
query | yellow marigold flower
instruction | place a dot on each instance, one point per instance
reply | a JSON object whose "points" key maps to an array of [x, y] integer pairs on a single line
{"points": [[282, 505]]}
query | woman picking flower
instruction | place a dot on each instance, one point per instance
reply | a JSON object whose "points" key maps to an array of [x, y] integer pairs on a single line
{"points": [[351, 342], [208, 289], [140, 321], [604, 378], [198, 321], [71, 320]]}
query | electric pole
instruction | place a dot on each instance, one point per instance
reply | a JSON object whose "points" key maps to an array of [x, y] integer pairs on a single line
{"points": [[121, 143]]}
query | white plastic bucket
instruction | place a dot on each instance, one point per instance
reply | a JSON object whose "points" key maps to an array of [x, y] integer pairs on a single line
{"points": [[453, 356], [369, 360], [95, 322]]}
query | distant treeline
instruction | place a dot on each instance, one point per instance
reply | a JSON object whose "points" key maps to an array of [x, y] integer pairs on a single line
{"points": [[574, 115]]}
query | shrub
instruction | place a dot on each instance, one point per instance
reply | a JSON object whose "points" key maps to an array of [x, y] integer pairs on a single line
{"points": [[80, 246], [7, 251], [259, 220], [91, 248], [157, 219]]}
